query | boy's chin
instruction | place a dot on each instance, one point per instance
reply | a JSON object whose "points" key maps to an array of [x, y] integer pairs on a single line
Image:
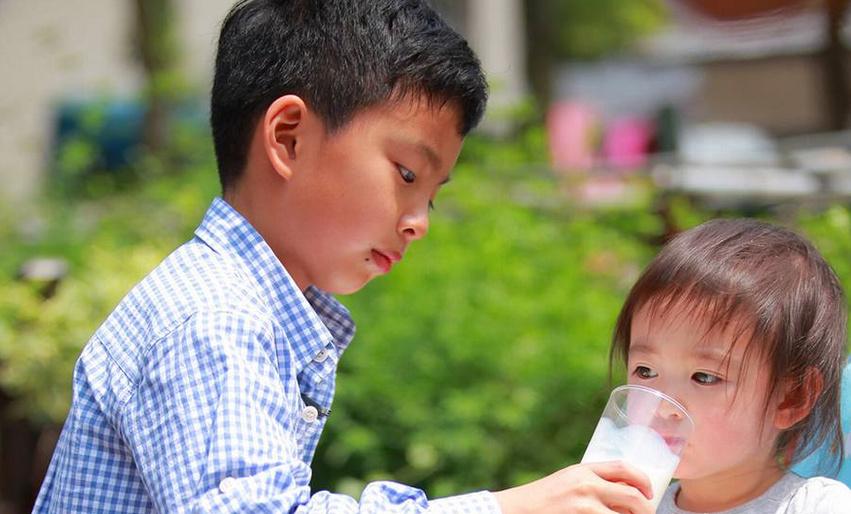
{"points": [[344, 285]]}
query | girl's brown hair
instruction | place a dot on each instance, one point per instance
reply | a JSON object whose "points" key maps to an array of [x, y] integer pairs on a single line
{"points": [[768, 282]]}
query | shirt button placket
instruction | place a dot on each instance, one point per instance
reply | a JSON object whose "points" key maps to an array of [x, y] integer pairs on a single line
{"points": [[321, 356], [227, 485], [310, 414]]}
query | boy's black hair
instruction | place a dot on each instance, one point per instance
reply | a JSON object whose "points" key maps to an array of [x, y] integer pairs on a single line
{"points": [[340, 57], [772, 284]]}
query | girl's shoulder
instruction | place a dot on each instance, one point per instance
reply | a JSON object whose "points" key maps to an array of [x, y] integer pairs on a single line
{"points": [[790, 495], [818, 495]]}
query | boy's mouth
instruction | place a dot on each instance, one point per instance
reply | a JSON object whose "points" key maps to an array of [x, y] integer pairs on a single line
{"points": [[385, 261]]}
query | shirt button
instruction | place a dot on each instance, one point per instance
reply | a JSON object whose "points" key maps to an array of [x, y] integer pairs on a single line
{"points": [[321, 356], [310, 414], [227, 485]]}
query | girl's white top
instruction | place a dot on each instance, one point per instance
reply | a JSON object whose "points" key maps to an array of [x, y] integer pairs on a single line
{"points": [[790, 495]]}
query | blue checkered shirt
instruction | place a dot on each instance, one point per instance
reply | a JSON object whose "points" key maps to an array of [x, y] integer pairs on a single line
{"points": [[206, 390]]}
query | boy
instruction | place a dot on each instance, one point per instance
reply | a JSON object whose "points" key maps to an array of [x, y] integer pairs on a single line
{"points": [[335, 122]]}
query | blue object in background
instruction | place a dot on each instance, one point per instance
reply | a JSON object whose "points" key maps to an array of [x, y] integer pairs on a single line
{"points": [[810, 466], [113, 127]]}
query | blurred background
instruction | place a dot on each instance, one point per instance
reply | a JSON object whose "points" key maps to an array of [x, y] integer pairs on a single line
{"points": [[483, 362]]}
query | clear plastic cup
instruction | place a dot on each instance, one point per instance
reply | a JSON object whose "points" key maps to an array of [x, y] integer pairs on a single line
{"points": [[645, 428]]}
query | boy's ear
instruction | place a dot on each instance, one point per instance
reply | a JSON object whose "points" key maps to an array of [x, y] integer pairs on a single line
{"points": [[283, 127], [797, 399]]}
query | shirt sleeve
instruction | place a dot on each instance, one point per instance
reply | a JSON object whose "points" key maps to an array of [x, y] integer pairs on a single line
{"points": [[212, 427], [820, 496]]}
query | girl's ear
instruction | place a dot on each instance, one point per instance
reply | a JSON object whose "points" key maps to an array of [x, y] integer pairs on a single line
{"points": [[797, 398]]}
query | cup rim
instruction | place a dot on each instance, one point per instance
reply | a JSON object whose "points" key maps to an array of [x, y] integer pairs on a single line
{"points": [[657, 393]]}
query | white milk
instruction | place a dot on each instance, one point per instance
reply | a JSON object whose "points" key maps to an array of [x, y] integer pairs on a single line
{"points": [[639, 446]]}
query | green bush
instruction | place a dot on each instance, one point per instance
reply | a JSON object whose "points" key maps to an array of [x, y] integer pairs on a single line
{"points": [[482, 360], [109, 244]]}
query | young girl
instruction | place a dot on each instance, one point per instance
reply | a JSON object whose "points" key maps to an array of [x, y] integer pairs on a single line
{"points": [[745, 324]]}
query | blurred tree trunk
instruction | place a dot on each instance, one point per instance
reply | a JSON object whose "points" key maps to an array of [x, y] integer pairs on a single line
{"points": [[157, 50], [540, 49], [16, 491], [835, 66], [581, 30]]}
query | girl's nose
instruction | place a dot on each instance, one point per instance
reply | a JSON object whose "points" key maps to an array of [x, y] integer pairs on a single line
{"points": [[668, 410]]}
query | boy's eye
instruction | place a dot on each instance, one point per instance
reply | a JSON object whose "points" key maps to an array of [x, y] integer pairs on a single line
{"points": [[705, 378], [644, 372], [407, 175]]}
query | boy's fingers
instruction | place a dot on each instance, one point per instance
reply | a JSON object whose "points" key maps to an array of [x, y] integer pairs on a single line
{"points": [[622, 498], [618, 471]]}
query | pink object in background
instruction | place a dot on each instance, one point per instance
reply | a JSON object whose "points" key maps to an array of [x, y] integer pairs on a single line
{"points": [[571, 127], [603, 190], [627, 142]]}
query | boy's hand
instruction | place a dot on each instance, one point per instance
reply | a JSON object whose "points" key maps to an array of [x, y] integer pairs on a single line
{"points": [[604, 487]]}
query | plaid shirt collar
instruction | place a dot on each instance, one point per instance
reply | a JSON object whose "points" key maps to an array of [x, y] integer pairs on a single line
{"points": [[321, 318]]}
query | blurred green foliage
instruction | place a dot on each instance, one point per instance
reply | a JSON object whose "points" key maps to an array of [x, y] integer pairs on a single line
{"points": [[589, 29], [111, 238], [481, 362], [583, 30]]}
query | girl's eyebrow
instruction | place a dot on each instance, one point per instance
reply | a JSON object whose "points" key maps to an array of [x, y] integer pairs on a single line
{"points": [[711, 353], [717, 355], [641, 347]]}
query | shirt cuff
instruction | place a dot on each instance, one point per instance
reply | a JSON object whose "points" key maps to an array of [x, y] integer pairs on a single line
{"points": [[482, 502]]}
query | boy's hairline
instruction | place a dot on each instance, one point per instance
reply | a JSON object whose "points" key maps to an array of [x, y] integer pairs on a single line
{"points": [[397, 97], [392, 64]]}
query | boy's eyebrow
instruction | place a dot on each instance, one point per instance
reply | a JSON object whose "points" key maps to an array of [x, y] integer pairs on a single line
{"points": [[430, 154], [426, 150]]}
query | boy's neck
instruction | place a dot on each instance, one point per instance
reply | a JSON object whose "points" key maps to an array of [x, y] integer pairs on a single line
{"points": [[728, 490], [253, 204]]}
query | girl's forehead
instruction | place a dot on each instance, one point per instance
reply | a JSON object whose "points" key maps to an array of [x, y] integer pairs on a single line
{"points": [[696, 327]]}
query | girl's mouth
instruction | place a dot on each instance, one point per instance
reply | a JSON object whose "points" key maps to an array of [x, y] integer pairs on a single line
{"points": [[676, 444]]}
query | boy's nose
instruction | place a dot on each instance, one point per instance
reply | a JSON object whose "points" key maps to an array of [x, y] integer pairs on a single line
{"points": [[414, 225]]}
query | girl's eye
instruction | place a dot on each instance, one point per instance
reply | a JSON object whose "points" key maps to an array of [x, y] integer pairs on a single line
{"points": [[407, 175], [705, 378], [431, 205], [644, 372]]}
